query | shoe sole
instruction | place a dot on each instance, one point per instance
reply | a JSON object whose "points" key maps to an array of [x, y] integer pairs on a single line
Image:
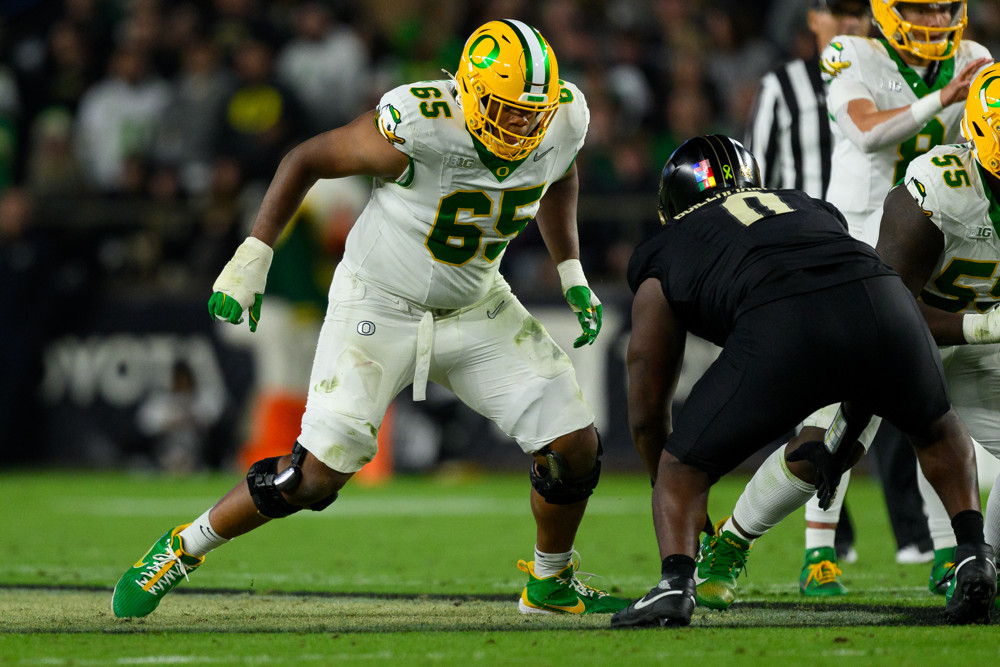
{"points": [[976, 606], [525, 609]]}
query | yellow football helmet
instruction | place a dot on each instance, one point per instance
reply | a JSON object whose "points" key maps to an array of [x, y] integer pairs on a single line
{"points": [[931, 43], [508, 65], [981, 124]]}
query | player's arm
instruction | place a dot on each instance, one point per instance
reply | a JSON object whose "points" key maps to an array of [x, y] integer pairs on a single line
{"points": [[357, 148], [556, 220], [911, 244], [654, 356], [872, 129]]}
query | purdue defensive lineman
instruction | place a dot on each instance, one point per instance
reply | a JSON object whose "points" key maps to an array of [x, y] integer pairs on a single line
{"points": [[805, 315], [940, 233], [461, 167], [892, 99]]}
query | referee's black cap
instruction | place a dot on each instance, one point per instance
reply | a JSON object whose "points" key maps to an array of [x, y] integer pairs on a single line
{"points": [[848, 7]]}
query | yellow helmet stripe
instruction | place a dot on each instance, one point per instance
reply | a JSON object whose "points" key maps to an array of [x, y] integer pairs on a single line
{"points": [[537, 73]]}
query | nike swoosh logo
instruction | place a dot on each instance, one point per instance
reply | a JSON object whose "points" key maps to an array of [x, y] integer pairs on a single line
{"points": [[493, 313], [698, 581], [643, 603], [578, 608], [539, 156]]}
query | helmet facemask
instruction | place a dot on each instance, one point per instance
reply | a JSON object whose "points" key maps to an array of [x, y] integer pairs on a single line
{"points": [[928, 43], [981, 123], [508, 67]]}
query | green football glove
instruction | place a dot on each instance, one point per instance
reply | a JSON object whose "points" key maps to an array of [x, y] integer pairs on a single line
{"points": [[582, 300], [240, 286]]}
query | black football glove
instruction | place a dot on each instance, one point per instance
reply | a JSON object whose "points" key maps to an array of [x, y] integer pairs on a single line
{"points": [[830, 467]]}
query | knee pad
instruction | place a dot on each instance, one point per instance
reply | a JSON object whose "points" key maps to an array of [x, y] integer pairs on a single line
{"points": [[551, 484], [266, 485]]}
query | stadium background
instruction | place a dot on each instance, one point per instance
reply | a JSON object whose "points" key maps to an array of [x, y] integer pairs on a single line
{"points": [[137, 138]]}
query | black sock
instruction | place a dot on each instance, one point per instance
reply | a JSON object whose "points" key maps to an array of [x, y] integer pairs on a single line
{"points": [[677, 565], [968, 527]]}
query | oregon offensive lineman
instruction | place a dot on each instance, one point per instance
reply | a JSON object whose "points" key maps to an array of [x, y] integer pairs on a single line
{"points": [[461, 167], [940, 232]]}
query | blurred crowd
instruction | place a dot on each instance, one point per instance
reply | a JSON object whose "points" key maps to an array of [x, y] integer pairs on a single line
{"points": [[145, 131]]}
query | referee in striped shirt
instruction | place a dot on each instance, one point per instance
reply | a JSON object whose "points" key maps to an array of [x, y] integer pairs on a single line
{"points": [[790, 128]]}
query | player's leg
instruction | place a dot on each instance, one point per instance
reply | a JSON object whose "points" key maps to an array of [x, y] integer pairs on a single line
{"points": [[348, 396], [501, 362], [947, 459], [942, 536], [751, 395]]}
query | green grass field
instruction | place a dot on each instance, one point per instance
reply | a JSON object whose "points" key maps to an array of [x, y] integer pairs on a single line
{"points": [[422, 571]]}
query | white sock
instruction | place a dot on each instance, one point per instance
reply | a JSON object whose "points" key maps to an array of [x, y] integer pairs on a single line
{"points": [[199, 538], [772, 494], [731, 526], [993, 518], [548, 564], [938, 521], [819, 538], [832, 515]]}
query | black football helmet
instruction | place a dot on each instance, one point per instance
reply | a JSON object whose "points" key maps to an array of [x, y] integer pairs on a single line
{"points": [[702, 167]]}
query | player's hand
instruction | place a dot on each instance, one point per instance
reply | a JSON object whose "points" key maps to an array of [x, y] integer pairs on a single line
{"points": [[240, 286], [957, 89], [829, 468], [589, 312], [984, 328]]}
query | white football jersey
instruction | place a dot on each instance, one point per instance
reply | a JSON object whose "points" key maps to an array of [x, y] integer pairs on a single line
{"points": [[947, 184], [858, 67], [436, 234]]}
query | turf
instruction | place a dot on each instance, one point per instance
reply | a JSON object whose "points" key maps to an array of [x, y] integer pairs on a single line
{"points": [[422, 571]]}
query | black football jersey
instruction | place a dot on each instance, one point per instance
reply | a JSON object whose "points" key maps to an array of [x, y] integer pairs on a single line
{"points": [[747, 247]]}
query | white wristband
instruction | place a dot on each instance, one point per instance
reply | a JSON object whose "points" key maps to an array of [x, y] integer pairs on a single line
{"points": [[926, 108], [975, 328], [571, 274]]}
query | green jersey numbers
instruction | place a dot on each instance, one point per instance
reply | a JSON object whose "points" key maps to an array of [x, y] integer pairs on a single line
{"points": [[749, 207], [431, 109], [456, 243], [932, 135], [958, 297], [953, 178]]}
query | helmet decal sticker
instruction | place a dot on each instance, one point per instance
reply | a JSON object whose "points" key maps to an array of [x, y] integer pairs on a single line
{"points": [[703, 174]]}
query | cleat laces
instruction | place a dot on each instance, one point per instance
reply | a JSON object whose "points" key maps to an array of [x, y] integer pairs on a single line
{"points": [[577, 585], [160, 572], [725, 558], [823, 572]]}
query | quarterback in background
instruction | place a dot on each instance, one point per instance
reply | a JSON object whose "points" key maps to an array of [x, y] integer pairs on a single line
{"points": [[892, 99], [460, 167]]}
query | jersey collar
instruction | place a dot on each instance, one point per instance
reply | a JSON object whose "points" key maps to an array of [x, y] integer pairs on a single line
{"points": [[916, 83], [500, 168]]}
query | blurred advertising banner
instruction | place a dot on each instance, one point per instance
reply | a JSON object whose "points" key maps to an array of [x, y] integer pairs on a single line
{"points": [[138, 376]]}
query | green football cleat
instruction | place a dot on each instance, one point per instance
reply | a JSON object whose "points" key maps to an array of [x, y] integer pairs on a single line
{"points": [[820, 574], [140, 589], [564, 593], [943, 571], [721, 558]]}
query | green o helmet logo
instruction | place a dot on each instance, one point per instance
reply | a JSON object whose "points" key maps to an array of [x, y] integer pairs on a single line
{"points": [[983, 94], [484, 61]]}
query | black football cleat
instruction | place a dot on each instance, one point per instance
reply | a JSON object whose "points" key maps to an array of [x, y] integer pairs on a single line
{"points": [[669, 603], [974, 586]]}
